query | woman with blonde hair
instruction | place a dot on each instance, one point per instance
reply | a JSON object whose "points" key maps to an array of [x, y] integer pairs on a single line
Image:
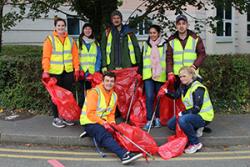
{"points": [[199, 110]]}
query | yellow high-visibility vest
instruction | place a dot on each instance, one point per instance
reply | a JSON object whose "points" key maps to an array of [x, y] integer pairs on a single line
{"points": [[183, 57], [130, 47], [88, 58], [147, 69], [207, 111], [102, 109], [61, 58]]}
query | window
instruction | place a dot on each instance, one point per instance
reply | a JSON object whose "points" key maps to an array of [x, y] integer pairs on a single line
{"points": [[224, 15], [248, 20], [73, 26], [142, 27]]}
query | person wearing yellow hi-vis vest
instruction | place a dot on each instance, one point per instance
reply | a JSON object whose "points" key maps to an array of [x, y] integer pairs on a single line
{"points": [[185, 48], [90, 58], [98, 115], [153, 70], [60, 60], [198, 112], [120, 48]]}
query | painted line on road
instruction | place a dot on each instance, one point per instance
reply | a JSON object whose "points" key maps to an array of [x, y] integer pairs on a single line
{"points": [[115, 159], [94, 153], [55, 163]]}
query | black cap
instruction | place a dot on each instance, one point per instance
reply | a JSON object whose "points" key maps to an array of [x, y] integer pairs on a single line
{"points": [[181, 17]]}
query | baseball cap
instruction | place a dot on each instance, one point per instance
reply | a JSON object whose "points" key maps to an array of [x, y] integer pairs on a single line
{"points": [[181, 17]]}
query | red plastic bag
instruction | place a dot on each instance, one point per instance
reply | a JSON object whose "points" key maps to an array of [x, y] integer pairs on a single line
{"points": [[166, 109], [95, 79], [176, 143], [140, 137], [64, 100]]}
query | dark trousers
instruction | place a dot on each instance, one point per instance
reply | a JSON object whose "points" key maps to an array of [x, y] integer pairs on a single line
{"points": [[64, 80], [151, 88], [83, 85], [104, 139], [189, 123]]}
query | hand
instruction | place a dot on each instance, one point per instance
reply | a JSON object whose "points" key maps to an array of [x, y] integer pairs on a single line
{"points": [[45, 76], [171, 78], [108, 127], [77, 75], [81, 75], [180, 114], [163, 90]]}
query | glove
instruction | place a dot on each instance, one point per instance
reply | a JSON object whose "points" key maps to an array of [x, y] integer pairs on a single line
{"points": [[108, 127], [45, 76], [81, 75], [163, 90], [180, 114], [77, 75], [171, 78]]}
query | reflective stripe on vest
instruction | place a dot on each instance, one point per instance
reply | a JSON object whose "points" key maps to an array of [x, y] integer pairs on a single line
{"points": [[61, 57], [207, 111], [130, 47], [102, 110], [88, 57], [184, 57], [147, 69]]}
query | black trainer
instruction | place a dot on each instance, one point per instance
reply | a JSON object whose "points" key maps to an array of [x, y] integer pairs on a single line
{"points": [[130, 157]]}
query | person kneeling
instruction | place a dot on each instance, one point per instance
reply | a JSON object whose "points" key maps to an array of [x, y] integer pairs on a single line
{"points": [[98, 115], [199, 110]]}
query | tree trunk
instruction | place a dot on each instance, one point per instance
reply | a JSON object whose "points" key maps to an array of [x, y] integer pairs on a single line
{"points": [[2, 2]]}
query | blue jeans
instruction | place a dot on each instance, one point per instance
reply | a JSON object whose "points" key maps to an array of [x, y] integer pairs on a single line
{"points": [[104, 139], [151, 88], [188, 123]]}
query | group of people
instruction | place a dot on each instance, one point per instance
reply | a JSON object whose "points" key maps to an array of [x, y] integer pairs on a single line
{"points": [[175, 60]]}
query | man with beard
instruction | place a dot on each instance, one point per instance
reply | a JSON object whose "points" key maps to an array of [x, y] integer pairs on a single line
{"points": [[120, 48], [185, 48]]}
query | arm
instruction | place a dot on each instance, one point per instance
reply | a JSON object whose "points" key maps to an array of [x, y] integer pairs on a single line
{"points": [[98, 62], [47, 51], [198, 97], [169, 59], [92, 98], [103, 49], [201, 53], [174, 95], [75, 57], [137, 49]]}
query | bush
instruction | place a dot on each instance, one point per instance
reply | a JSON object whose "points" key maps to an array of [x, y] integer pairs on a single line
{"points": [[227, 78], [20, 73]]}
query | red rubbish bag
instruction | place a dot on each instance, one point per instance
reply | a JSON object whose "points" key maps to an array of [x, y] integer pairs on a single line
{"points": [[176, 143], [64, 100], [138, 136], [95, 79]]}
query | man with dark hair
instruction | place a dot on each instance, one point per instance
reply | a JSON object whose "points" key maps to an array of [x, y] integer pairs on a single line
{"points": [[98, 113], [185, 48], [120, 48]]}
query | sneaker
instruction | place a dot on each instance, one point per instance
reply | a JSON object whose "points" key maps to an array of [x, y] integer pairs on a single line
{"points": [[157, 123], [199, 132], [146, 127], [130, 157], [57, 122], [193, 148], [69, 123]]}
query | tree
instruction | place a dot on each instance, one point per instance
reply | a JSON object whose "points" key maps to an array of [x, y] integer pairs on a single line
{"points": [[96, 12], [155, 10]]}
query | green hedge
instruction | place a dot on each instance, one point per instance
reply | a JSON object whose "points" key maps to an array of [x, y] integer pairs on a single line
{"points": [[226, 76]]}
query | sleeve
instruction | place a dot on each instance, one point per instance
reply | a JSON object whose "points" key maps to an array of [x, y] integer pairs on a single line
{"points": [[174, 95], [137, 49], [103, 49], [198, 96], [47, 51], [201, 53], [98, 62], [92, 98], [169, 58], [75, 57]]}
